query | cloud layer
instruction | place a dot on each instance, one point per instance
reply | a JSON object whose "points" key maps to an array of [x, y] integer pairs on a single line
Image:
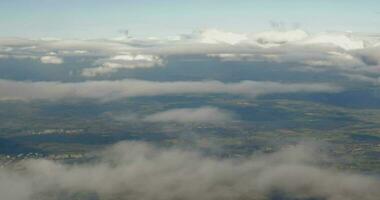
{"points": [[109, 90], [341, 52], [126, 61], [191, 115], [140, 171]]}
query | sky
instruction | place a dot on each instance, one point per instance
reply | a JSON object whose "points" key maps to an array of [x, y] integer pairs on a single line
{"points": [[103, 19], [291, 53]]}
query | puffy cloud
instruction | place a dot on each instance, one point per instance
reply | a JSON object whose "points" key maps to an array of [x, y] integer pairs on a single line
{"points": [[370, 56], [320, 51], [312, 58], [105, 68], [141, 171], [108, 90], [191, 115], [97, 47], [51, 59], [125, 61], [210, 37], [276, 38], [335, 59], [343, 41], [214, 36]]}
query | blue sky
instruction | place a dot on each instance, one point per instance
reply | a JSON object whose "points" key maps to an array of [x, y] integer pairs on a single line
{"points": [[95, 18]]}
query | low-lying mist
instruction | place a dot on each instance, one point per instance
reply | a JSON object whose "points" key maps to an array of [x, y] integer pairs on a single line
{"points": [[132, 170]]}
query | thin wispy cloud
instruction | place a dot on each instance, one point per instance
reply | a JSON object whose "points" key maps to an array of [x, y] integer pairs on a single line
{"points": [[204, 114]]}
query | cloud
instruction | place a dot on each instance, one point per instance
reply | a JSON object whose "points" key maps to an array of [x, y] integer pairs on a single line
{"points": [[125, 61], [363, 78], [246, 57], [141, 171], [108, 90], [277, 38], [336, 51], [191, 115], [313, 59], [341, 40], [370, 56], [335, 60], [214, 36], [51, 60]]}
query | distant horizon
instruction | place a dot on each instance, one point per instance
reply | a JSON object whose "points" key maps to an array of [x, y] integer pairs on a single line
{"points": [[147, 18], [131, 35]]}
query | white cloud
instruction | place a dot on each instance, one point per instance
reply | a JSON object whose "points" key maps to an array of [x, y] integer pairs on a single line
{"points": [[51, 59], [191, 115], [214, 36], [335, 60], [343, 41], [105, 68], [246, 57], [353, 52], [141, 171], [312, 58], [370, 56], [363, 78], [102, 47], [124, 61], [277, 38], [108, 90]]}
